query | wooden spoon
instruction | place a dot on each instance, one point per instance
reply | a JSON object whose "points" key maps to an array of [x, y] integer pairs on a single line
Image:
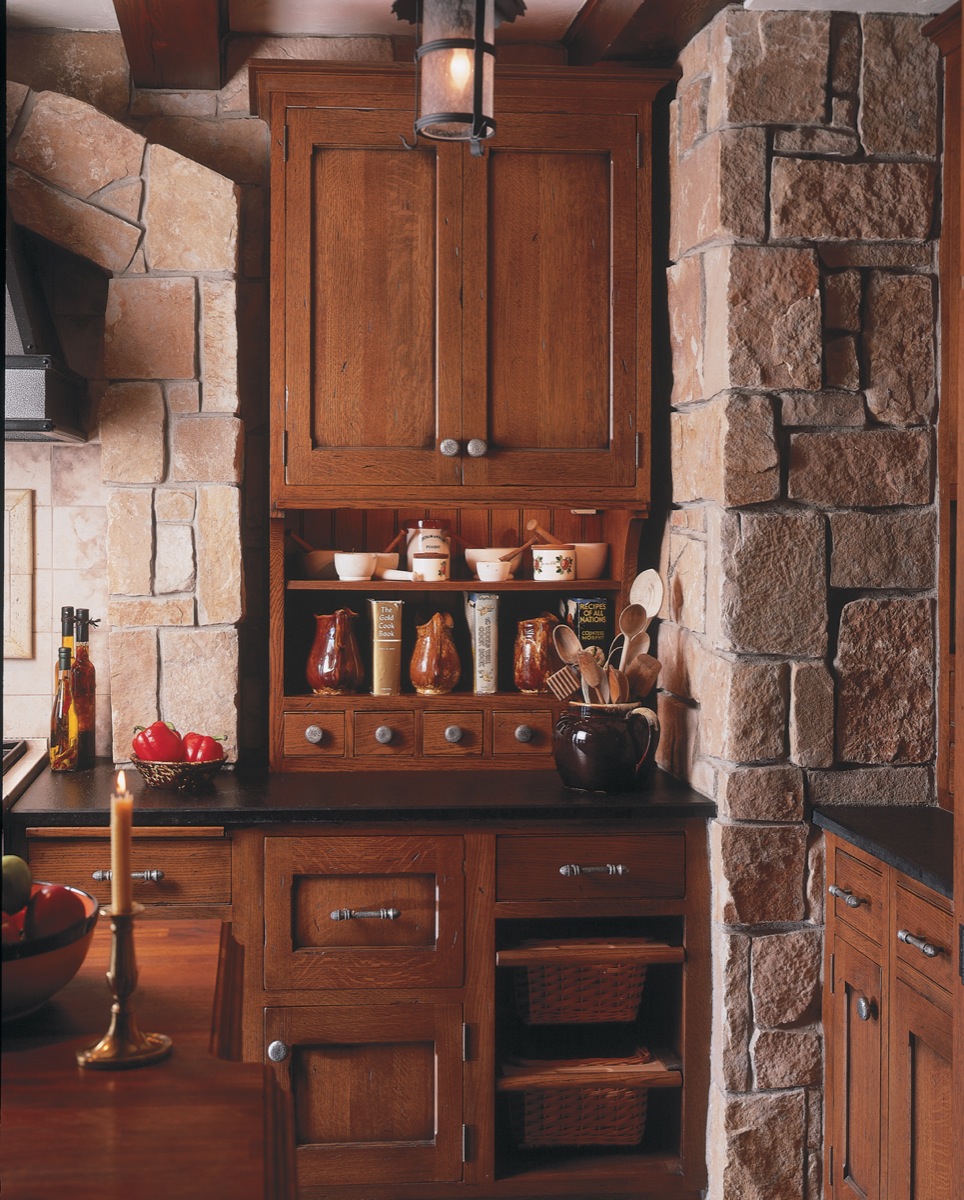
{"points": [[300, 542], [568, 646], [642, 674], [647, 590], [632, 621], [618, 686], [533, 526], [394, 542], [592, 676]]}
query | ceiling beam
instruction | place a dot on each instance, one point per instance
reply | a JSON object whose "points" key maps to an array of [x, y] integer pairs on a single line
{"points": [[174, 43], [596, 28]]}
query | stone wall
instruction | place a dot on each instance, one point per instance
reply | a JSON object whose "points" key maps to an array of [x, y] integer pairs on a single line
{"points": [[800, 555]]}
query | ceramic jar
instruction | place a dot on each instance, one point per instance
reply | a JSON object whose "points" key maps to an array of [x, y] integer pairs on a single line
{"points": [[605, 747], [435, 668], [534, 656], [334, 665], [427, 537], [553, 564]]}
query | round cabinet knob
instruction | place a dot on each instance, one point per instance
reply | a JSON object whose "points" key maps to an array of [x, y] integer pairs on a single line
{"points": [[278, 1051], [383, 734], [866, 1009], [524, 733], [449, 447], [453, 733], [314, 734], [477, 448]]}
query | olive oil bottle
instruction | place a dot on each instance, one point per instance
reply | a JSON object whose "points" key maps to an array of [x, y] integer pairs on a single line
{"points": [[63, 718], [84, 687]]}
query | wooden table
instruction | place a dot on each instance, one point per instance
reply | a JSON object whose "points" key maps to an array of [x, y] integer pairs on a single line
{"points": [[190, 1126]]}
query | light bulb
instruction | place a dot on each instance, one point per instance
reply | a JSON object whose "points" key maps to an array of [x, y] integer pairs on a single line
{"points": [[460, 68]]}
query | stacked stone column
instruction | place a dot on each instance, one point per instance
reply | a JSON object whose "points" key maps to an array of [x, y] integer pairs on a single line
{"points": [[800, 554]]}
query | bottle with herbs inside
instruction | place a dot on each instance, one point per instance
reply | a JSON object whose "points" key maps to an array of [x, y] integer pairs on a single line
{"points": [[66, 636], [63, 718], [84, 684]]}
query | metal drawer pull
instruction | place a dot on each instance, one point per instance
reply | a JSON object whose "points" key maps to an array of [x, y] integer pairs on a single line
{"points": [[848, 898], [608, 869], [866, 1009], [523, 733], [278, 1051], [143, 876], [449, 447], [314, 734], [928, 949], [477, 448], [453, 733], [355, 914], [383, 734]]}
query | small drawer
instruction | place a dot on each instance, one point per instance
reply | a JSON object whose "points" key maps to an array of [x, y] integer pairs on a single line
{"points": [[592, 867], [384, 734], [314, 735], [517, 733], [453, 734], [193, 869], [932, 929], [857, 893]]}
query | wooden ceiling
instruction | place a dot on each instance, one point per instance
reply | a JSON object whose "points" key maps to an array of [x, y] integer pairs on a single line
{"points": [[180, 43]]}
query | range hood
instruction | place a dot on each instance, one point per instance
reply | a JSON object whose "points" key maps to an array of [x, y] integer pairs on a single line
{"points": [[43, 399]]}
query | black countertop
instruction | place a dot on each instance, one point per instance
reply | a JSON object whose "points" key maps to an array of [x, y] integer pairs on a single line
{"points": [[917, 841], [237, 798]]}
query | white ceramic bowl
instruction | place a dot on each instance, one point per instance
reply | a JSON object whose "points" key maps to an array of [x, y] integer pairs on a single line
{"points": [[492, 571], [591, 559], [355, 565], [490, 554]]}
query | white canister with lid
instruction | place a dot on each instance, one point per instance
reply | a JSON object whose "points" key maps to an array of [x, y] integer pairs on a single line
{"points": [[427, 537]]}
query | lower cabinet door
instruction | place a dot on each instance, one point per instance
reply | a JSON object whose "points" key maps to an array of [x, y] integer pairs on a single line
{"points": [[377, 1091]]}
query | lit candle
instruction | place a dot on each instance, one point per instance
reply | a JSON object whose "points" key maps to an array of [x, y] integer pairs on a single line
{"points": [[121, 815]]}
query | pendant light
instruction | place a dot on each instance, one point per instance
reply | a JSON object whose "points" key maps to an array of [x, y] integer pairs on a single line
{"points": [[456, 62]]}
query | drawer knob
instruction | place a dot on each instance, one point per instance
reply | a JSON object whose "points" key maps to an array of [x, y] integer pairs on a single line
{"points": [[278, 1051], [866, 1009], [453, 733], [383, 734], [314, 734], [358, 914], [154, 876], [846, 896], [524, 733], [477, 448], [928, 949], [449, 447], [605, 869]]}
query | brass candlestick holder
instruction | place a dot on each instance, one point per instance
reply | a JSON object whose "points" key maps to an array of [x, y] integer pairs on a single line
{"points": [[123, 1045]]}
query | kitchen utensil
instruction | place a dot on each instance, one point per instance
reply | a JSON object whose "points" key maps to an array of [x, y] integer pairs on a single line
{"points": [[474, 556], [642, 672], [618, 686], [385, 562], [639, 644], [493, 572], [396, 541], [299, 542], [355, 565], [632, 620], [513, 554], [594, 681], [568, 646], [563, 683], [533, 526], [647, 590], [391, 573]]}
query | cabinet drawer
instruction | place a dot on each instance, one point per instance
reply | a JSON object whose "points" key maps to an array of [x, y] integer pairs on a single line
{"points": [[515, 733], [397, 728], [363, 911], [860, 902], [439, 727], [196, 868], [932, 926], [330, 726], [581, 868]]}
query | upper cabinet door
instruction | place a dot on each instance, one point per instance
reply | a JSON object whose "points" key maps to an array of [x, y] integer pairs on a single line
{"points": [[371, 356]]}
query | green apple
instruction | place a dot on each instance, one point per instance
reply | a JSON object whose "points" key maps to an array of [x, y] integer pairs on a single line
{"points": [[16, 883]]}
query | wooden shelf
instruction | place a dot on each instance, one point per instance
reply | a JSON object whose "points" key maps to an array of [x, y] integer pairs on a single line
{"points": [[594, 951], [662, 1071], [573, 586]]}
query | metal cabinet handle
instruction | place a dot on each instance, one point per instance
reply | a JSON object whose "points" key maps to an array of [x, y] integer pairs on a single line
{"points": [[866, 1009], [846, 896], [453, 733], [357, 914], [384, 734], [928, 949], [449, 447], [278, 1051], [524, 733], [154, 876], [314, 734], [477, 448], [606, 869]]}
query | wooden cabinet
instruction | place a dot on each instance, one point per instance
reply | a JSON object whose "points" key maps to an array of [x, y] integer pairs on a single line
{"points": [[451, 327], [380, 975], [887, 1016]]}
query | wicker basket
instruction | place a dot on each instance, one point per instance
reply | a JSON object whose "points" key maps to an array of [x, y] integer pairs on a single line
{"points": [[575, 993], [583, 1116], [184, 776]]}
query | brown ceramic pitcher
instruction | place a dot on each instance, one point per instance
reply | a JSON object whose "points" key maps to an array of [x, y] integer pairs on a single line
{"points": [[435, 668], [605, 747], [334, 665]]}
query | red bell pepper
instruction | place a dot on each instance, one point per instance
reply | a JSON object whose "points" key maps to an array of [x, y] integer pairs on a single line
{"points": [[159, 742], [199, 747]]}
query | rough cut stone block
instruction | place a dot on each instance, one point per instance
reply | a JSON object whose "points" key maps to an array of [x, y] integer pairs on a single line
{"points": [[132, 422], [686, 579], [743, 708], [759, 872], [786, 978], [149, 329], [173, 504], [811, 715], [885, 681], [898, 344], [871, 785], [184, 396], [191, 216], [206, 450], [772, 793], [757, 1144], [689, 113], [823, 199], [841, 301], [719, 190], [16, 98], [219, 346], [771, 68], [678, 739], [732, 1018], [808, 140], [900, 88], [199, 681], [236, 149], [151, 612], [872, 468], [66, 221], [685, 286], [822, 408], [844, 54], [909, 255], [681, 654], [744, 467], [74, 146], [123, 198], [173, 104], [884, 550], [841, 367], [816, 873], [220, 587], [133, 686], [129, 542], [173, 559], [762, 323], [785, 1059], [89, 66], [843, 112], [772, 597]]}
